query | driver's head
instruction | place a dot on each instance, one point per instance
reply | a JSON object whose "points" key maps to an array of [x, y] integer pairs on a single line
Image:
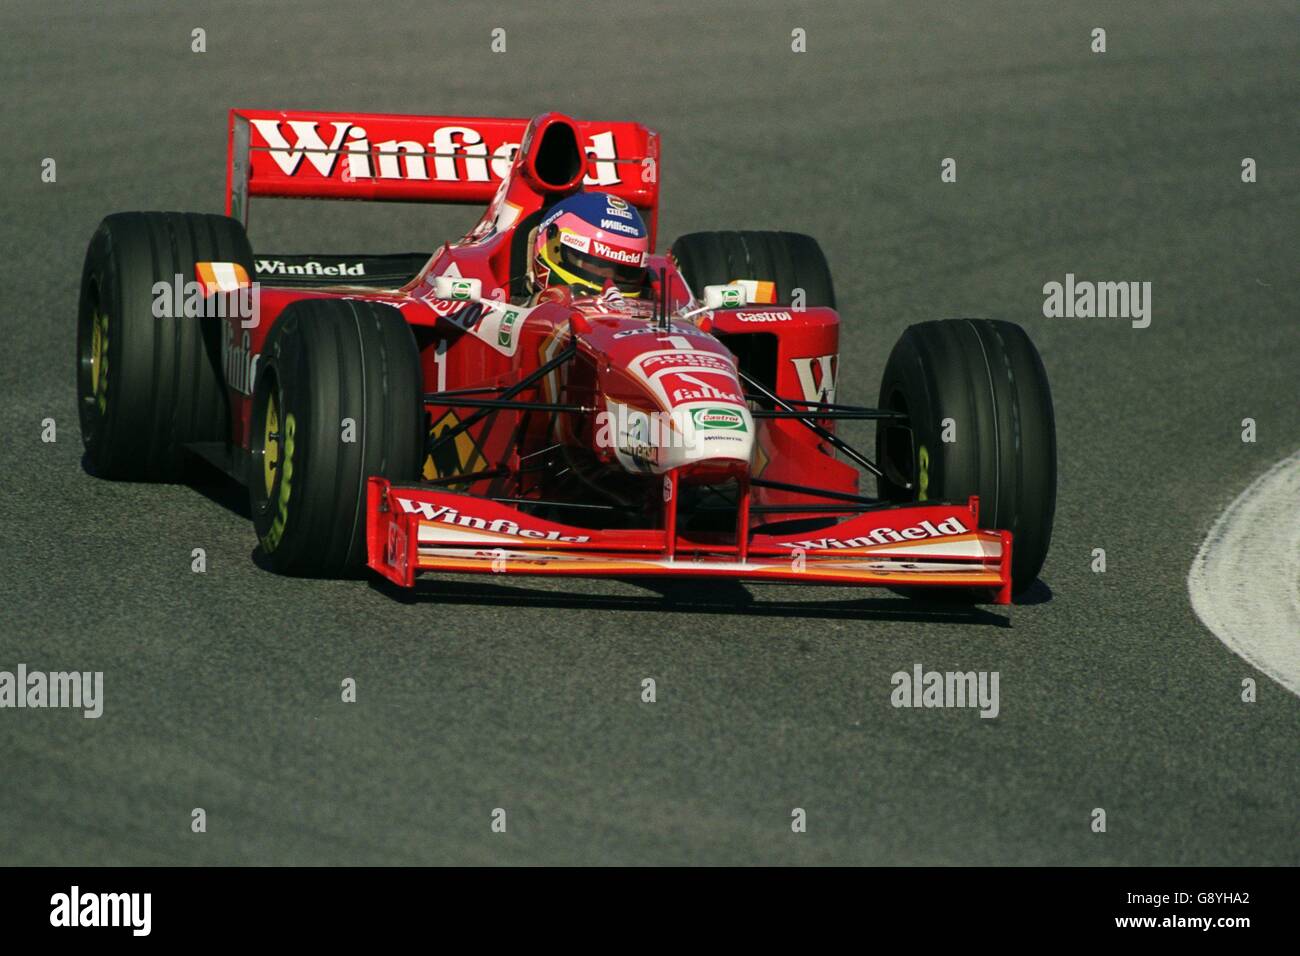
{"points": [[589, 239]]}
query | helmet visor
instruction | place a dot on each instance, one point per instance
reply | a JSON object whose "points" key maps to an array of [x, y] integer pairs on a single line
{"points": [[627, 278]]}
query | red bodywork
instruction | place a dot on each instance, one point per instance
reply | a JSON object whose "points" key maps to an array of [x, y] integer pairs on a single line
{"points": [[471, 513]]}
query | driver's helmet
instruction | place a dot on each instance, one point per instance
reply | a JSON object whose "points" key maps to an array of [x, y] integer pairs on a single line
{"points": [[588, 241]]}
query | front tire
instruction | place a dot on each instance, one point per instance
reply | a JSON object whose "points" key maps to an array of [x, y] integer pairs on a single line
{"points": [[338, 399], [980, 422]]}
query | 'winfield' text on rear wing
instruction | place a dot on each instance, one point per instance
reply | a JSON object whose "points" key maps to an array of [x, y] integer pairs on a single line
{"points": [[440, 159]]}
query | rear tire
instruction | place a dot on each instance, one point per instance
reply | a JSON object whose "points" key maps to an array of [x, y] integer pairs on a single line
{"points": [[789, 259], [987, 378], [146, 386], [327, 361]]}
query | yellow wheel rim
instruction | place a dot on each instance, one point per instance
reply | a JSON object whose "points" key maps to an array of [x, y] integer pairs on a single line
{"points": [[923, 474], [271, 443], [99, 359]]}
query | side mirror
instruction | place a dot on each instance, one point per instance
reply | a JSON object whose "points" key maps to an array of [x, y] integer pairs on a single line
{"points": [[730, 296], [456, 289]]}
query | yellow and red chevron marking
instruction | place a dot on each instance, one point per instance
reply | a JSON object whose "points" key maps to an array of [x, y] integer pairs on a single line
{"points": [[759, 291], [221, 276]]}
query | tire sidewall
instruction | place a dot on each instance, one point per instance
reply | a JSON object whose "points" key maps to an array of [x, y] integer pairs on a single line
{"points": [[906, 387], [99, 294], [282, 372]]}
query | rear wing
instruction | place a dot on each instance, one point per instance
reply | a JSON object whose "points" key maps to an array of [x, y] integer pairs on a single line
{"points": [[393, 158]]}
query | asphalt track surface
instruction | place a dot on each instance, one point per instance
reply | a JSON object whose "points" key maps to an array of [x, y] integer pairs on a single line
{"points": [[222, 689]]}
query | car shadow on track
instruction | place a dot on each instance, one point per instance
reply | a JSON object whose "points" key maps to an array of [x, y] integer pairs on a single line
{"points": [[1036, 593], [204, 479], [692, 597], [220, 490]]}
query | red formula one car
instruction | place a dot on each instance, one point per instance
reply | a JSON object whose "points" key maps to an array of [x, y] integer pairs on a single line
{"points": [[475, 410]]}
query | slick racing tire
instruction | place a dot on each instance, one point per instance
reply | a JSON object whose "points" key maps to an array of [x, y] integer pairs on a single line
{"points": [[147, 385], [980, 422], [338, 399], [789, 259]]}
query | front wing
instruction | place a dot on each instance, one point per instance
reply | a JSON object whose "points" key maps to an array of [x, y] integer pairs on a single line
{"points": [[415, 529]]}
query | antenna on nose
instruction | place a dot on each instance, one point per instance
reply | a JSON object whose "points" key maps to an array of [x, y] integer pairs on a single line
{"points": [[663, 298]]}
